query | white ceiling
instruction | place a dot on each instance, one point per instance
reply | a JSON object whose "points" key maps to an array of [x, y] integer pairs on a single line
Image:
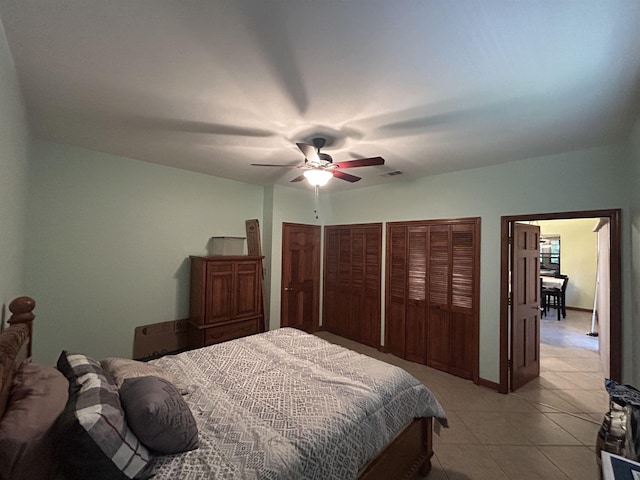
{"points": [[432, 86]]}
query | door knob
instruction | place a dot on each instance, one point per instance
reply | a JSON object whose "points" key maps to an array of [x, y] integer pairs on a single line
{"points": [[288, 289]]}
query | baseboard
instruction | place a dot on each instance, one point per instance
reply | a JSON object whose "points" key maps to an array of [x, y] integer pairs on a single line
{"points": [[578, 309], [489, 384]]}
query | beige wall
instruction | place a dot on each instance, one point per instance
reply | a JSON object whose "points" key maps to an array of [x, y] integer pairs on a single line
{"points": [[578, 257], [109, 240], [14, 160]]}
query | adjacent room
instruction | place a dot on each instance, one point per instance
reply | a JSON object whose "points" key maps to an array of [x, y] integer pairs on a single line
{"points": [[450, 188]]}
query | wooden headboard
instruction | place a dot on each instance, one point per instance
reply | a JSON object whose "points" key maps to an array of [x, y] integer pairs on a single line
{"points": [[15, 344]]}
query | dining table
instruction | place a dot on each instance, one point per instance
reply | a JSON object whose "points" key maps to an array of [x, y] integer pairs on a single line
{"points": [[551, 282]]}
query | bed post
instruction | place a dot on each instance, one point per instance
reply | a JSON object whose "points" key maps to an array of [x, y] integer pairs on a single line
{"points": [[22, 312]]}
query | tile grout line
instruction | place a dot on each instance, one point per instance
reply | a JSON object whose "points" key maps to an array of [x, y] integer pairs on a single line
{"points": [[557, 410]]}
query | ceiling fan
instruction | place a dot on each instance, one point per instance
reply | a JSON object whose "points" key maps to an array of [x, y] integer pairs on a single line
{"points": [[319, 167]]}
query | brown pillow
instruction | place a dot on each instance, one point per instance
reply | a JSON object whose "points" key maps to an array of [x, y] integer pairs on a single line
{"points": [[158, 415], [122, 368], [38, 395]]}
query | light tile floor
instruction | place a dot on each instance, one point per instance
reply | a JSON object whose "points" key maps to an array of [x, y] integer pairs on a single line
{"points": [[546, 430]]}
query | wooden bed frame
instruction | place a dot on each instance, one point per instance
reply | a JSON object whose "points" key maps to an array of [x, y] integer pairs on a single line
{"points": [[408, 454], [15, 345]]}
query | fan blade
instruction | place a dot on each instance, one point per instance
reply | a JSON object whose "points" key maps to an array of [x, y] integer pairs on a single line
{"points": [[325, 157], [361, 162], [147, 123], [273, 165], [299, 178], [309, 152], [345, 176]]}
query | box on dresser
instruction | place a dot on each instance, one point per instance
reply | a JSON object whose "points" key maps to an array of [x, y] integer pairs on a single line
{"points": [[225, 299], [226, 246]]}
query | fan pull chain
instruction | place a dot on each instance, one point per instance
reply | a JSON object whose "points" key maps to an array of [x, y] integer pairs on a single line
{"points": [[316, 201]]}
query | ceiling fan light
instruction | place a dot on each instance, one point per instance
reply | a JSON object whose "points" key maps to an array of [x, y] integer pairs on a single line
{"points": [[317, 177]]}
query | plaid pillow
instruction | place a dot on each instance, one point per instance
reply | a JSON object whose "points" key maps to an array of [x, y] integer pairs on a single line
{"points": [[93, 438]]}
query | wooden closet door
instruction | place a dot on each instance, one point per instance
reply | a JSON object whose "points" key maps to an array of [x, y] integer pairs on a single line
{"points": [[452, 292], [439, 268], [461, 327], [343, 297], [416, 311], [395, 320], [352, 279], [432, 293], [331, 272], [356, 294], [370, 313]]}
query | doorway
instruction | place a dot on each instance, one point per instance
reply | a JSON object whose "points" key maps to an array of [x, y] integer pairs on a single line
{"points": [[614, 290], [300, 289]]}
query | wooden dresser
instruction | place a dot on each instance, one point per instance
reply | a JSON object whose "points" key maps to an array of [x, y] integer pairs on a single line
{"points": [[226, 299]]}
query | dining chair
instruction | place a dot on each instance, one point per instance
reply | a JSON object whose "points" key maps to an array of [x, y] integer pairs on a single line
{"points": [[556, 297], [543, 300]]}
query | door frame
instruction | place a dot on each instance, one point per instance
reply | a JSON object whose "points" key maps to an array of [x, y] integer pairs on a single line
{"points": [[615, 292], [316, 252]]}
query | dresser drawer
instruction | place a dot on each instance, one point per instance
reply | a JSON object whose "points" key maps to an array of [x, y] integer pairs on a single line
{"points": [[229, 332]]}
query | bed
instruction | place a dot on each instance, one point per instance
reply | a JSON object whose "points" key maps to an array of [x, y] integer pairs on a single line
{"points": [[278, 405]]}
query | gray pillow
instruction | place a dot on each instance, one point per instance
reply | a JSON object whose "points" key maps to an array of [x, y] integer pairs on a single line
{"points": [[158, 415]]}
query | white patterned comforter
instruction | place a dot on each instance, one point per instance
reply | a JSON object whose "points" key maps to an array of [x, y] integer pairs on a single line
{"points": [[289, 405]]}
